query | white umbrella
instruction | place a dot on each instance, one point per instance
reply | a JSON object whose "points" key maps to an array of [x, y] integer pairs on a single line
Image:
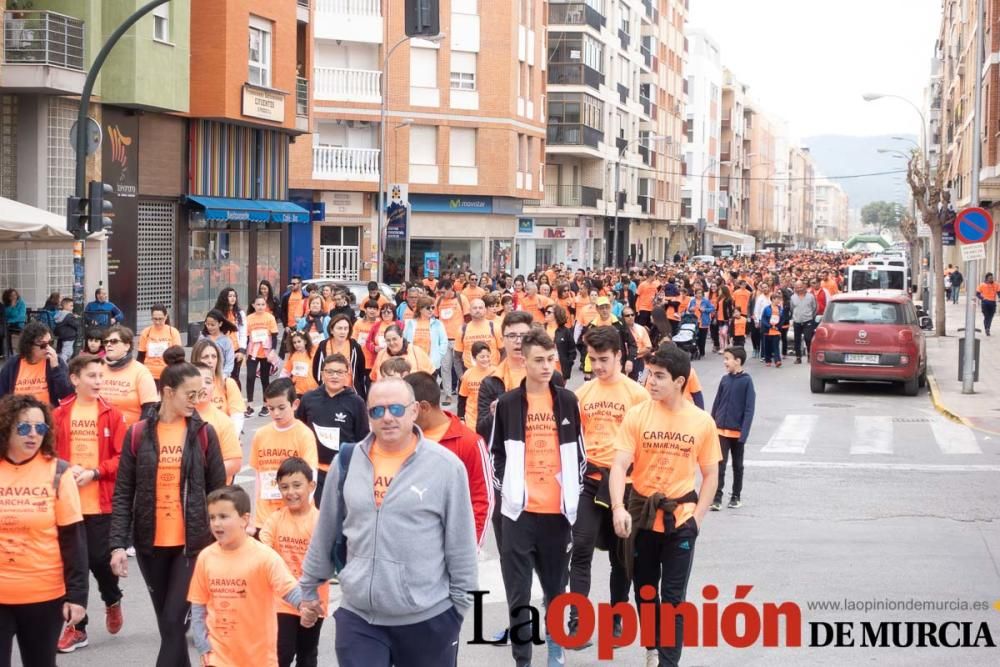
{"points": [[22, 225]]}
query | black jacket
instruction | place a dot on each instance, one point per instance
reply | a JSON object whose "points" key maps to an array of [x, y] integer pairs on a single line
{"points": [[566, 347], [133, 507], [734, 404], [345, 411], [490, 389], [56, 378], [355, 364]]}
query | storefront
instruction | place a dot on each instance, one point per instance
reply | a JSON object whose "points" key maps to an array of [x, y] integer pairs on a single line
{"points": [[548, 241]]}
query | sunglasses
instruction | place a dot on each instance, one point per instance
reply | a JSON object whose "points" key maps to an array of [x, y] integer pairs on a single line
{"points": [[397, 410], [43, 344], [109, 341], [24, 428]]}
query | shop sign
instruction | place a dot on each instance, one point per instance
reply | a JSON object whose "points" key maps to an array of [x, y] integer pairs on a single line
{"points": [[525, 226], [451, 204], [555, 233], [395, 223], [344, 203], [263, 103]]}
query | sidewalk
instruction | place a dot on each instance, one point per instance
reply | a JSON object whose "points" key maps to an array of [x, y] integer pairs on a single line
{"points": [[980, 410]]}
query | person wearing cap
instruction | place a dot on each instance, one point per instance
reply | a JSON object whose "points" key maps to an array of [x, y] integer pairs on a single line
{"points": [[606, 319], [375, 294]]}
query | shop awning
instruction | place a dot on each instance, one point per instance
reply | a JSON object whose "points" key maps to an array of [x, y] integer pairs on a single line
{"points": [[249, 210]]}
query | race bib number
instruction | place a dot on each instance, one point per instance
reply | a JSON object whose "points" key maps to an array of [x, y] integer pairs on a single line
{"points": [[380, 340], [316, 337], [267, 482], [446, 313], [362, 339], [156, 349], [328, 436], [300, 369], [260, 336], [775, 319]]}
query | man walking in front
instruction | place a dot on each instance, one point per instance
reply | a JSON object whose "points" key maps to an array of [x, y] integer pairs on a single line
{"points": [[411, 546], [538, 463], [804, 309]]}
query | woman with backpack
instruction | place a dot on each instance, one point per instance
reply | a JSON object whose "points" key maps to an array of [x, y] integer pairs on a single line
{"points": [[169, 464]]}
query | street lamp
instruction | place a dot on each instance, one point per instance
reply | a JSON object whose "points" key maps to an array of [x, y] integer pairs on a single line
{"points": [[383, 112], [702, 222], [618, 165]]}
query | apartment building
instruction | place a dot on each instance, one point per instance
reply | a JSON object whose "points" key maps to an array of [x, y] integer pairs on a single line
{"points": [[703, 129], [832, 212], [464, 135], [734, 172], [761, 169], [48, 46], [801, 197]]}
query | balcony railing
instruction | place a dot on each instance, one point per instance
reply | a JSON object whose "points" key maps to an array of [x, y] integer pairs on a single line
{"points": [[574, 74], [345, 164], [647, 56], [645, 203], [350, 7], [624, 39], [623, 94], [42, 38], [572, 195], [301, 95], [573, 135], [578, 13], [646, 104], [354, 85]]}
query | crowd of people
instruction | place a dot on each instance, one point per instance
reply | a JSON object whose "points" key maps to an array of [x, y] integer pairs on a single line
{"points": [[401, 431]]}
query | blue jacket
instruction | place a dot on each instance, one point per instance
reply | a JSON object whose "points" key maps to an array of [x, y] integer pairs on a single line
{"points": [[17, 315], [706, 311], [765, 320], [439, 339], [734, 404], [101, 313]]}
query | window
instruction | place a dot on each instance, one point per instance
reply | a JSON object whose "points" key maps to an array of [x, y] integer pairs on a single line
{"points": [[161, 23], [423, 144], [463, 71], [566, 108], [423, 68], [463, 147], [260, 52]]}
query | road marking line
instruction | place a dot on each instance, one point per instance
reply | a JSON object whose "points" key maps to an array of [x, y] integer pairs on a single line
{"points": [[892, 467], [792, 436], [872, 435], [954, 438]]}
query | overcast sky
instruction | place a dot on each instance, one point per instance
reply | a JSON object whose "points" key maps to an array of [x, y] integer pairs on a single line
{"points": [[809, 62]]}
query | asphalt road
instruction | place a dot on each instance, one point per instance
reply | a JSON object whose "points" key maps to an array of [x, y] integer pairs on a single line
{"points": [[860, 494]]}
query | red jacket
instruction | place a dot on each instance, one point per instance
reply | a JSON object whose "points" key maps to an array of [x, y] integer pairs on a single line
{"points": [[470, 448], [110, 433]]}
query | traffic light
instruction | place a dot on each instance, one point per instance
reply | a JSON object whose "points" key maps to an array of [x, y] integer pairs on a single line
{"points": [[423, 18], [98, 207], [76, 216]]}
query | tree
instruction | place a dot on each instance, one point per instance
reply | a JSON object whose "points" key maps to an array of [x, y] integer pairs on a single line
{"points": [[881, 215], [935, 211]]}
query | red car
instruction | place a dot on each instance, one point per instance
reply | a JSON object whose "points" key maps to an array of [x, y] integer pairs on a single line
{"points": [[870, 335]]}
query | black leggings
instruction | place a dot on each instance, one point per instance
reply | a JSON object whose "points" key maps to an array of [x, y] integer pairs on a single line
{"points": [[167, 572], [237, 365], [98, 528], [296, 643], [265, 375], [36, 627]]}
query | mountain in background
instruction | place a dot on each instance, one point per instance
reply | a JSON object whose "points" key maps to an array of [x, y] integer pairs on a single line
{"points": [[841, 155]]}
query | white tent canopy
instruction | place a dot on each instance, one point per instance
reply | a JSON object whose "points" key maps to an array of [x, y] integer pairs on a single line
{"points": [[25, 226]]}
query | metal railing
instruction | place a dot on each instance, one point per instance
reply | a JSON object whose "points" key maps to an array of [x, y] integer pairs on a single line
{"points": [[350, 7], [577, 13], [339, 262], [572, 135], [301, 94], [345, 164], [572, 195], [357, 85], [560, 73], [42, 38]]}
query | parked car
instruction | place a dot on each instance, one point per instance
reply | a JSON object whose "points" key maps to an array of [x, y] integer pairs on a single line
{"points": [[358, 288], [870, 335]]}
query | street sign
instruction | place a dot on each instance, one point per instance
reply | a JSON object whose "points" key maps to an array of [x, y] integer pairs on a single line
{"points": [[974, 225], [973, 251], [94, 136]]}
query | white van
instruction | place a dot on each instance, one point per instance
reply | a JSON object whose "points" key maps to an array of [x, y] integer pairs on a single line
{"points": [[890, 258], [876, 276]]}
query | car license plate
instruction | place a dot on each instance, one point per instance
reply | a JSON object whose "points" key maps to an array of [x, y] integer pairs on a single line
{"points": [[861, 358]]}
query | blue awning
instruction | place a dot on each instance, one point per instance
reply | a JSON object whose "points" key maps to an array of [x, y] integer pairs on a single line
{"points": [[249, 210]]}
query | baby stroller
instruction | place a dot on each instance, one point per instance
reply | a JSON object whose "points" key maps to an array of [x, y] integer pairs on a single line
{"points": [[686, 337]]}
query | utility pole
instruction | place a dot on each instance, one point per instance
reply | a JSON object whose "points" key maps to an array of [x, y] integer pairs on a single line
{"points": [[971, 267]]}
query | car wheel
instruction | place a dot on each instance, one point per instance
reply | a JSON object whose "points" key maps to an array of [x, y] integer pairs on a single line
{"points": [[911, 386], [922, 380], [817, 385]]}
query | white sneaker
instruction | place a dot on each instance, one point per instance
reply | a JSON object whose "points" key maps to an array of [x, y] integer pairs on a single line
{"points": [[130, 552], [652, 657]]}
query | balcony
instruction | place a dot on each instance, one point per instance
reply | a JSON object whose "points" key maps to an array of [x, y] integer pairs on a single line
{"points": [[573, 74], [348, 20], [352, 85], [646, 104], [576, 196], [301, 96], [334, 163], [647, 56], [573, 135], [43, 52], [622, 94], [623, 39], [576, 13], [645, 203]]}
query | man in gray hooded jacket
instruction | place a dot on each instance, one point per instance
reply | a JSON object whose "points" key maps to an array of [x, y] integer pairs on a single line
{"points": [[411, 542]]}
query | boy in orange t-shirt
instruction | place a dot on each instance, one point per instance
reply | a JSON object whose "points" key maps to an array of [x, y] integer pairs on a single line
{"points": [[235, 587]]}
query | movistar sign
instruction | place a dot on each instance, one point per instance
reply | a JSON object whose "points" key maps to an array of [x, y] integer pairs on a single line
{"points": [[450, 204]]}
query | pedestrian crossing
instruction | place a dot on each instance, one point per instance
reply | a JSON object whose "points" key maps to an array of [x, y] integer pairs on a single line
{"points": [[869, 435]]}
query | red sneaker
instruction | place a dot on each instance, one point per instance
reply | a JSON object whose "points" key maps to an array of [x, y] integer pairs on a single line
{"points": [[113, 618], [71, 640]]}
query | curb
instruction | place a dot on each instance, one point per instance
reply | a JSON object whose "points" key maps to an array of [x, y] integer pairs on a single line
{"points": [[935, 394]]}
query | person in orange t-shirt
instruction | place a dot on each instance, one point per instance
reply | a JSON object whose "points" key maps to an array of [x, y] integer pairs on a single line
{"points": [[534, 303], [229, 439], [987, 295], [666, 441], [154, 340], [235, 589], [478, 330], [644, 294], [36, 370], [128, 385], [43, 542], [299, 355], [468, 389], [289, 531]]}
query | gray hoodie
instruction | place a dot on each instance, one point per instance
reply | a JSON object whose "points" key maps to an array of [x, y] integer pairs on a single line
{"points": [[413, 558]]}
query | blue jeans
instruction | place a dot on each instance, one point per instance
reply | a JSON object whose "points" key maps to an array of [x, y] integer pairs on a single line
{"points": [[432, 643], [772, 348]]}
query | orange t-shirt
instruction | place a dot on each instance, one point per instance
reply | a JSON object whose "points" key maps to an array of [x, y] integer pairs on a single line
{"points": [[154, 340], [422, 335], [644, 294], [31, 380], [830, 285], [260, 326], [471, 293], [511, 377], [332, 346], [641, 335], [452, 312], [85, 452], [239, 589], [270, 447], [586, 311], [476, 332], [169, 509], [668, 447], [469, 388], [30, 517], [227, 397], [298, 365], [296, 308], [128, 389], [740, 326], [542, 460], [602, 407], [729, 433], [362, 329], [692, 386], [987, 290], [386, 465], [289, 534], [229, 440], [535, 305]]}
